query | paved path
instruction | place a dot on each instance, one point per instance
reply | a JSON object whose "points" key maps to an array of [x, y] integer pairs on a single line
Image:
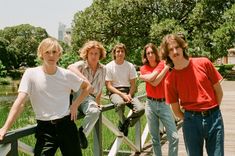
{"points": [[228, 111]]}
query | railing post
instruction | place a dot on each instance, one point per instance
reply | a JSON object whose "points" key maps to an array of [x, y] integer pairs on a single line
{"points": [[14, 148], [97, 137], [138, 135]]}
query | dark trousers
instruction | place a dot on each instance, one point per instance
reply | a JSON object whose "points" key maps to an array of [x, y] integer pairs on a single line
{"points": [[51, 136]]}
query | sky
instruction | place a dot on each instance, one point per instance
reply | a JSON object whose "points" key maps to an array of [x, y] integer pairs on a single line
{"points": [[40, 13]]}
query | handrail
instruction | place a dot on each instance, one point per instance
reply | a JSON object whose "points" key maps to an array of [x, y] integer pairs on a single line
{"points": [[12, 136]]}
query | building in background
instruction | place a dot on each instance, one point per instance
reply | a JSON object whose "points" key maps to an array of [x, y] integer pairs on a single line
{"points": [[67, 36], [64, 34], [229, 59], [61, 31]]}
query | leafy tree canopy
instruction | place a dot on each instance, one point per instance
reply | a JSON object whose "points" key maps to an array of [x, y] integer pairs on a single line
{"points": [[206, 24], [19, 44]]}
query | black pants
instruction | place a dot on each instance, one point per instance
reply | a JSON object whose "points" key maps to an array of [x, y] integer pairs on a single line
{"points": [[51, 136]]}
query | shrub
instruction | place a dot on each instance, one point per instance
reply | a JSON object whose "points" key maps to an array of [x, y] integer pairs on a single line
{"points": [[5, 81]]}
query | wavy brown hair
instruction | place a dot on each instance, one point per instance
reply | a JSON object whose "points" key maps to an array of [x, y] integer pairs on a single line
{"points": [[118, 46], [165, 43], [144, 55]]}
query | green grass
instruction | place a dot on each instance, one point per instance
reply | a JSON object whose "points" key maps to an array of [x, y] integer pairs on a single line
{"points": [[27, 118]]}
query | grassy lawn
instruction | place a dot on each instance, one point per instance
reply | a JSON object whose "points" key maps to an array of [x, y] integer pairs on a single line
{"points": [[27, 118]]}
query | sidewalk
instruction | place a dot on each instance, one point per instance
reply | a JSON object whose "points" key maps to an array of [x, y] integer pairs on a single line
{"points": [[228, 112]]}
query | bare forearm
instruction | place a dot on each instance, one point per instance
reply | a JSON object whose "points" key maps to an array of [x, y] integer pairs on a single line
{"points": [[149, 77], [177, 111], [98, 97], [15, 111], [75, 70], [86, 87], [114, 90], [132, 87], [160, 76], [218, 92]]}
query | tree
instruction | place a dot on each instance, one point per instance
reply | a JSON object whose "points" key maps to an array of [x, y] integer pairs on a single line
{"points": [[21, 44], [223, 38], [137, 22]]}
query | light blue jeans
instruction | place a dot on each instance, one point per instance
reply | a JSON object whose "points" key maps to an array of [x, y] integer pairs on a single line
{"points": [[92, 112], [156, 111], [198, 129], [90, 109]]}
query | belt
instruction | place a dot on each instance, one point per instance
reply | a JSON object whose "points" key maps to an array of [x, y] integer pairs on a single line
{"points": [[54, 122], [156, 99], [204, 113], [123, 89]]}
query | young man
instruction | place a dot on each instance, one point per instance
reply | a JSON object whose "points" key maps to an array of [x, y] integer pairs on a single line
{"points": [[154, 72], [94, 72], [120, 81], [194, 85], [49, 87]]}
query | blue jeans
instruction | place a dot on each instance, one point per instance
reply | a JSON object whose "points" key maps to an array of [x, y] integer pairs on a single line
{"points": [[156, 111], [198, 129], [90, 108]]}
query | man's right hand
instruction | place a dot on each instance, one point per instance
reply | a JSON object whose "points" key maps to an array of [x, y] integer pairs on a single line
{"points": [[2, 133], [127, 98]]}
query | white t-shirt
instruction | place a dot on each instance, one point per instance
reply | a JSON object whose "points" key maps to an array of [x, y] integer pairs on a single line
{"points": [[49, 94], [120, 75]]}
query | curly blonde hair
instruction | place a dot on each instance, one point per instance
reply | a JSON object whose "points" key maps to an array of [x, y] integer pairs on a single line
{"points": [[89, 45]]}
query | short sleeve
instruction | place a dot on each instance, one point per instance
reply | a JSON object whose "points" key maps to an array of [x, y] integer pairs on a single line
{"points": [[143, 70], [133, 73], [108, 76], [170, 90], [159, 67], [213, 75], [74, 81], [25, 83]]}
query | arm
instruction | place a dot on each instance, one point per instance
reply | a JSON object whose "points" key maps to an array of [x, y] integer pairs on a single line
{"points": [[116, 91], [86, 87], [75, 70], [218, 92], [160, 76], [15, 111], [149, 77], [132, 88], [98, 97], [177, 111]]}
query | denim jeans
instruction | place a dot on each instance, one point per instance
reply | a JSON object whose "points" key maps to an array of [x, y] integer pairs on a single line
{"points": [[156, 111], [91, 110], [198, 129]]}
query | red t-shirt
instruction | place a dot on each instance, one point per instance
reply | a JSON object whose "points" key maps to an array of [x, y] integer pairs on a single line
{"points": [[158, 91], [192, 86]]}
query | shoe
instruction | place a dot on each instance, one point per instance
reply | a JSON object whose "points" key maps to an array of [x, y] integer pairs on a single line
{"points": [[124, 127], [82, 138]]}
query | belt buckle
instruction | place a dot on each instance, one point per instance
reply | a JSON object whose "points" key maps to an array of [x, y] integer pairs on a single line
{"points": [[204, 113], [53, 122]]}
